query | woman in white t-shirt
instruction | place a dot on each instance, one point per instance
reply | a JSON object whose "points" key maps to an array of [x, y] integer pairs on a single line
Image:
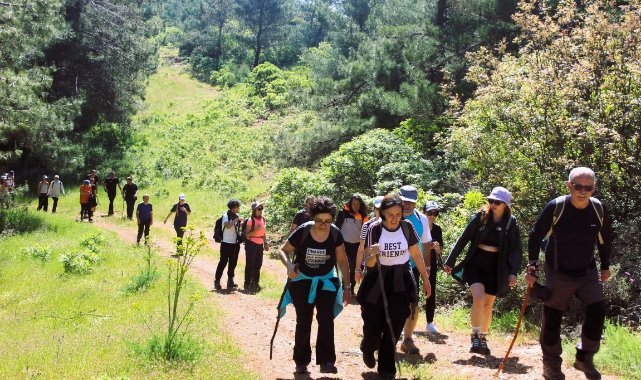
{"points": [[392, 241], [230, 245]]}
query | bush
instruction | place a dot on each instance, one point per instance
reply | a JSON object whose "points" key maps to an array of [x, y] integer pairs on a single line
{"points": [[19, 221], [229, 75], [80, 262], [38, 253], [184, 349], [93, 243]]}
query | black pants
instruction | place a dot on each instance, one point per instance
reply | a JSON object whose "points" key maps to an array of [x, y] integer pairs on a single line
{"points": [[376, 332], [254, 257], [324, 304], [43, 201], [143, 227], [85, 211], [351, 249], [55, 204], [180, 232], [430, 303], [228, 254], [130, 207], [112, 197]]}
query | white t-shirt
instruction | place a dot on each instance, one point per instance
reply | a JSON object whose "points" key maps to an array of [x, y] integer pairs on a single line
{"points": [[394, 247], [229, 234]]}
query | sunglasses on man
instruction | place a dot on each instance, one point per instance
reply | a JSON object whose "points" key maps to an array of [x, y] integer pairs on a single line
{"points": [[579, 187]]}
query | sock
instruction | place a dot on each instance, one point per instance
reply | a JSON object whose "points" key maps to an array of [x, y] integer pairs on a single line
{"points": [[476, 330]]}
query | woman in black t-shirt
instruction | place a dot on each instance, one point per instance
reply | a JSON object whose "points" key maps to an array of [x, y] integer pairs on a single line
{"points": [[318, 247]]}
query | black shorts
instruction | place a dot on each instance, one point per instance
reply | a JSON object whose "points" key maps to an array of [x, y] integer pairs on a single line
{"points": [[482, 269]]}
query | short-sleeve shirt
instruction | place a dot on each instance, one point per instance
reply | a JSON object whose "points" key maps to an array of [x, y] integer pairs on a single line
{"points": [[112, 184], [230, 235], [314, 258], [144, 211], [259, 231], [394, 247], [180, 219], [301, 217], [422, 227], [366, 226], [130, 190]]}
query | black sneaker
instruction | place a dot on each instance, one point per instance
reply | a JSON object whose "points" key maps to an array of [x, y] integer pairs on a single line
{"points": [[328, 368], [301, 370], [476, 344], [587, 367], [217, 285], [369, 359], [553, 373], [231, 285], [485, 350]]}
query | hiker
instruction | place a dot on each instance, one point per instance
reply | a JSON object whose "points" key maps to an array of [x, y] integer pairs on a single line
{"points": [[376, 204], [4, 184], [182, 210], [409, 197], [350, 221], [255, 243], [313, 283], [130, 194], [491, 263], [144, 218], [431, 211], [43, 197], [11, 180], [229, 245], [110, 185], [93, 198], [55, 190], [575, 224], [93, 175], [85, 193], [389, 245], [302, 216]]}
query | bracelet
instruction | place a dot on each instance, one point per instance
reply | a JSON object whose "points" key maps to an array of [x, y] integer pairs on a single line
{"points": [[347, 287], [358, 271]]}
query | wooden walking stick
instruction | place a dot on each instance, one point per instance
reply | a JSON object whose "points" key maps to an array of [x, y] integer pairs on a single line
{"points": [[516, 332]]}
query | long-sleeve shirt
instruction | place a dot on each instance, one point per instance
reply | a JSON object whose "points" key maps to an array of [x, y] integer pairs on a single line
{"points": [[570, 249], [56, 188]]}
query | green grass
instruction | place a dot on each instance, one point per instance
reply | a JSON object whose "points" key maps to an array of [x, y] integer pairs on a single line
{"points": [[58, 325]]}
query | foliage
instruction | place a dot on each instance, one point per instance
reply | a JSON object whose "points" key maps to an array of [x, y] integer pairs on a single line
{"points": [[183, 348], [276, 87], [143, 279], [38, 253], [82, 261], [19, 220], [621, 352]]}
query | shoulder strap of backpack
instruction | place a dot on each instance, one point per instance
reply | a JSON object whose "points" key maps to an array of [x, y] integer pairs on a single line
{"points": [[559, 206], [598, 208], [406, 230]]}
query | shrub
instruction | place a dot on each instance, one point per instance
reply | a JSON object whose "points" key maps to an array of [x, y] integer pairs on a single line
{"points": [[19, 220], [93, 243], [80, 262], [183, 348], [38, 253], [147, 275]]}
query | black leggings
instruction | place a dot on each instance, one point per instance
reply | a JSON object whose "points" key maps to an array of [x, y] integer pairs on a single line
{"points": [[430, 303], [143, 227], [351, 249]]}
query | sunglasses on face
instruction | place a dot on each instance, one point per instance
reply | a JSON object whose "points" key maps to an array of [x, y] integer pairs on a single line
{"points": [[323, 222], [432, 213], [390, 203], [259, 209], [494, 202], [579, 187]]}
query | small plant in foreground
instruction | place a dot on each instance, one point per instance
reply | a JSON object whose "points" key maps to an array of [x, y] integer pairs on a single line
{"points": [[39, 253], [148, 274]]}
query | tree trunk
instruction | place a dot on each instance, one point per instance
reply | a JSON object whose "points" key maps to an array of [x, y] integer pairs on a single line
{"points": [[441, 8], [259, 34]]}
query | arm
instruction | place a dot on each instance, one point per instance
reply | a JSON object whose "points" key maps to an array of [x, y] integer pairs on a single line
{"points": [[62, 188], [462, 241], [151, 213], [168, 215], [358, 272], [540, 229], [605, 248], [415, 253], [284, 255], [343, 264], [514, 254], [137, 215], [292, 228]]}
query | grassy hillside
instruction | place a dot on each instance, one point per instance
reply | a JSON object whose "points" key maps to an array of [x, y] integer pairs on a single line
{"points": [[61, 325]]}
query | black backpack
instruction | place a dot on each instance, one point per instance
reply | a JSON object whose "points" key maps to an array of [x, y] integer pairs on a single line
{"points": [[218, 230], [241, 236]]}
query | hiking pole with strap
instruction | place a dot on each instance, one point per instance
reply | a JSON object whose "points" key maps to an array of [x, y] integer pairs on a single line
{"points": [[516, 332], [271, 343]]}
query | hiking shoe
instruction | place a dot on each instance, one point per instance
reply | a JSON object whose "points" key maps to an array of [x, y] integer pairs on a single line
{"points": [[217, 285], [553, 373], [587, 367], [231, 284], [431, 328], [476, 344], [301, 370], [328, 368], [369, 359], [484, 348], [409, 347]]}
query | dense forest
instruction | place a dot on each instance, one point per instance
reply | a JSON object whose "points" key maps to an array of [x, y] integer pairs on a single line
{"points": [[453, 96]]}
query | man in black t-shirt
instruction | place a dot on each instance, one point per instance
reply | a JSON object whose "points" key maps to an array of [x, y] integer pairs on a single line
{"points": [[111, 184], [182, 210], [570, 269], [130, 193], [302, 216]]}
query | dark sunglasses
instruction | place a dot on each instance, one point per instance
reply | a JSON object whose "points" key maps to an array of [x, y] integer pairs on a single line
{"points": [[586, 188], [432, 213], [392, 202], [323, 222], [494, 202], [259, 209]]}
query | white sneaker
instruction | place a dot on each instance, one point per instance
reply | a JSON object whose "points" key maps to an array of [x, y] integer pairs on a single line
{"points": [[431, 328]]}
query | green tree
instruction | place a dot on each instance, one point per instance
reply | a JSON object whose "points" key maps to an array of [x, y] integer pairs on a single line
{"points": [[264, 18]]}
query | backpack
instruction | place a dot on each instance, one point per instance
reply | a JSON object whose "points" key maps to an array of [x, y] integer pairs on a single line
{"points": [[307, 227], [241, 236], [218, 230], [559, 207]]}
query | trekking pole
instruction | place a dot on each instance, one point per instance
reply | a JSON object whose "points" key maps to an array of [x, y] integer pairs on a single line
{"points": [[387, 317], [271, 343], [516, 332]]}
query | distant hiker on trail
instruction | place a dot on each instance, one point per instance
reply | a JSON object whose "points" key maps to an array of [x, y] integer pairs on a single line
{"points": [[350, 221], [182, 210], [111, 183], [93, 175], [409, 197], [302, 216], [312, 284], [575, 225], [431, 211], [491, 263], [376, 206], [55, 190], [11, 180], [230, 244], [388, 288], [255, 243], [130, 194], [43, 194], [144, 218], [85, 208], [93, 198], [4, 183]]}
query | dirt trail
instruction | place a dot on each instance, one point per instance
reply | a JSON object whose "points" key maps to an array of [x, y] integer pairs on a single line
{"points": [[250, 321]]}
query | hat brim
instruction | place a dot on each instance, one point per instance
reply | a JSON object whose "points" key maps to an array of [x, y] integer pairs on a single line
{"points": [[405, 199]]}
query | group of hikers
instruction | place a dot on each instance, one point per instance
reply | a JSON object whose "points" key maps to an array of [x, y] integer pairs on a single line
{"points": [[8, 181], [396, 253]]}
